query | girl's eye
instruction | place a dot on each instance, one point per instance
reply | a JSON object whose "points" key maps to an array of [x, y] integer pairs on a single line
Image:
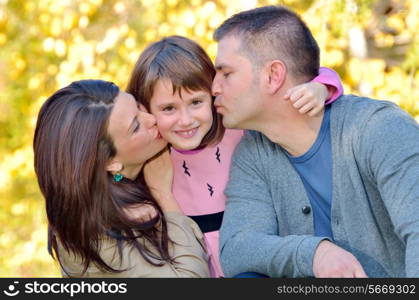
{"points": [[226, 74], [196, 102], [137, 127], [168, 108]]}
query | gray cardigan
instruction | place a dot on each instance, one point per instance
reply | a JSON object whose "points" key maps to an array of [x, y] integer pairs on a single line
{"points": [[375, 205]]}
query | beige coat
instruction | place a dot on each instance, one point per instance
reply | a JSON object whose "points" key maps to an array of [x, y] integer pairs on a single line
{"points": [[188, 251]]}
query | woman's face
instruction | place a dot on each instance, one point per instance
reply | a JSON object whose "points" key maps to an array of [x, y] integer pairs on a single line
{"points": [[182, 121], [134, 133]]}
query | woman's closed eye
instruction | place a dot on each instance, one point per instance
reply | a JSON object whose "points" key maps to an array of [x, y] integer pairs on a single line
{"points": [[136, 127]]}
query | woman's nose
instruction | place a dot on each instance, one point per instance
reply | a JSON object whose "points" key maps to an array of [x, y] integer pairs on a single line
{"points": [[149, 119]]}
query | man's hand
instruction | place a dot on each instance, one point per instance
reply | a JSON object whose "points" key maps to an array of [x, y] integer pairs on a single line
{"points": [[332, 261]]}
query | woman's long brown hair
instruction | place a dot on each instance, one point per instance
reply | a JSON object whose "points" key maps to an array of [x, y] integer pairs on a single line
{"points": [[83, 202]]}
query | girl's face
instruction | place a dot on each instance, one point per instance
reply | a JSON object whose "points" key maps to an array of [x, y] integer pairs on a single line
{"points": [[182, 121]]}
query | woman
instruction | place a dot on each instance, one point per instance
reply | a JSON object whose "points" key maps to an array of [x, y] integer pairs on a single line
{"points": [[91, 144]]}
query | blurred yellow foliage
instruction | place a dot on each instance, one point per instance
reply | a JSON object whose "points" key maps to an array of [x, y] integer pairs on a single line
{"points": [[46, 44]]}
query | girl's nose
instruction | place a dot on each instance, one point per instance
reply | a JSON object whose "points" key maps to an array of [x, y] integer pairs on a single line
{"points": [[185, 118]]}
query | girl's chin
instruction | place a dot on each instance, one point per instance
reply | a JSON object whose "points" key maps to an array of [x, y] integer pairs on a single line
{"points": [[184, 148]]}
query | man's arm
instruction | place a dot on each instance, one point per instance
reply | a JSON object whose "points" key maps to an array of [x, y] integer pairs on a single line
{"points": [[390, 147], [249, 239]]}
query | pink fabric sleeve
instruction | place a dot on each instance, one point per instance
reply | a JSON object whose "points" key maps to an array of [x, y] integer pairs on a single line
{"points": [[332, 81]]}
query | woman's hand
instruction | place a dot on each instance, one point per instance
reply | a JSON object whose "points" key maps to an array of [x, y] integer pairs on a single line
{"points": [[158, 174], [140, 212]]}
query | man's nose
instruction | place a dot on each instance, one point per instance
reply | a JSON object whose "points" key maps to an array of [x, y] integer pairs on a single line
{"points": [[216, 88]]}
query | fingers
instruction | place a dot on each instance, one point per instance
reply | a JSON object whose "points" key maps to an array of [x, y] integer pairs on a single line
{"points": [[353, 271], [304, 105], [140, 212], [313, 112], [360, 273], [307, 104], [332, 261], [290, 92], [295, 93], [151, 212], [300, 97], [307, 98]]}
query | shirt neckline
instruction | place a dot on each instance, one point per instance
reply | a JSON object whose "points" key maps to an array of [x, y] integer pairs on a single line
{"points": [[319, 140]]}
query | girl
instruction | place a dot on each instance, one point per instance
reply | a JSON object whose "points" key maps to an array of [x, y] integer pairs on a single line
{"points": [[172, 79], [91, 144]]}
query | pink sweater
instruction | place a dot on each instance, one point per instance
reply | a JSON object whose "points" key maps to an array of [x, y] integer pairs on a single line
{"points": [[200, 177]]}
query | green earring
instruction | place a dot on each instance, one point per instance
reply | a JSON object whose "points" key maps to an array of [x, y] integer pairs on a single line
{"points": [[118, 177]]}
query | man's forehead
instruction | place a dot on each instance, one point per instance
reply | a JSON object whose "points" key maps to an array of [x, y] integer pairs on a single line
{"points": [[221, 66], [226, 51], [229, 43]]}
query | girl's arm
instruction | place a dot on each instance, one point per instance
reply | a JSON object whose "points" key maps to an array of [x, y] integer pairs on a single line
{"points": [[332, 81], [311, 97]]}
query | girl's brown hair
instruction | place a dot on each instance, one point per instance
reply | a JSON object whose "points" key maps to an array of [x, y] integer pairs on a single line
{"points": [[186, 65], [83, 202]]}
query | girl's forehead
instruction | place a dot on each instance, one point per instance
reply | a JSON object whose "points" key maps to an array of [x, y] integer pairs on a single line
{"points": [[165, 90]]}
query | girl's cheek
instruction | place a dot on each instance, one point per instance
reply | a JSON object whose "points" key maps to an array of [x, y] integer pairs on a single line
{"points": [[163, 124]]}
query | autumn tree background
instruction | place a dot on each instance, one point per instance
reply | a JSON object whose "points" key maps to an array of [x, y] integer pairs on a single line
{"points": [[46, 44]]}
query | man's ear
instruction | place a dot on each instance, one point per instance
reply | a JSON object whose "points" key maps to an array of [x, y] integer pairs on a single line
{"points": [[114, 166], [275, 76]]}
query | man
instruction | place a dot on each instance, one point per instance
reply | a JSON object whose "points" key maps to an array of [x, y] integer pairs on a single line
{"points": [[336, 195]]}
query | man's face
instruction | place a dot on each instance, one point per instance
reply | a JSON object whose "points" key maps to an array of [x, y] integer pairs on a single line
{"points": [[235, 85]]}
